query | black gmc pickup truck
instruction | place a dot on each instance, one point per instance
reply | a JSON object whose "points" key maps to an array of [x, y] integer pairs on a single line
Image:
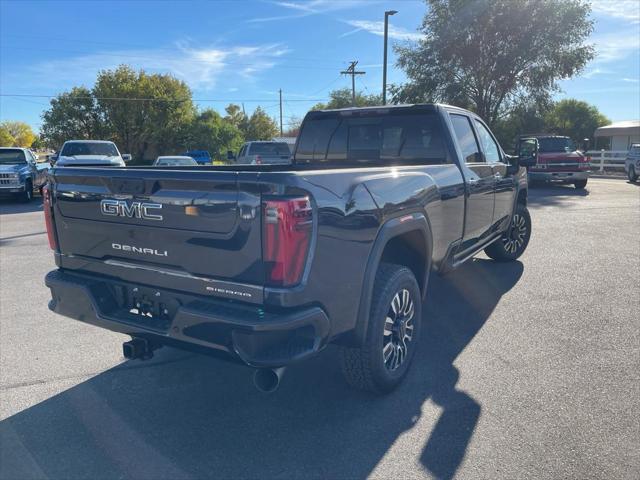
{"points": [[267, 264]]}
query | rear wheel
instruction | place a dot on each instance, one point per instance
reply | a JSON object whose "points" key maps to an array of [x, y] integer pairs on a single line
{"points": [[514, 241], [580, 184], [383, 359], [631, 174]]}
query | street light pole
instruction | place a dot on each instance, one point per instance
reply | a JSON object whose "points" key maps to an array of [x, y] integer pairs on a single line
{"points": [[387, 14]]}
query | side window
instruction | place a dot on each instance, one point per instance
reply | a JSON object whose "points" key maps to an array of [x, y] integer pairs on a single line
{"points": [[489, 145], [466, 138], [314, 139], [338, 144]]}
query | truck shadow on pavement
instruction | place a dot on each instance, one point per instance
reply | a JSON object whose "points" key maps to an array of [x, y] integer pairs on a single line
{"points": [[183, 415], [10, 206], [552, 195]]}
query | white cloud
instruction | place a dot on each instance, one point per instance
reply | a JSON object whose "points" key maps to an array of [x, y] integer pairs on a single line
{"points": [[631, 80], [625, 9], [199, 67], [377, 28], [313, 7], [616, 46], [595, 72]]}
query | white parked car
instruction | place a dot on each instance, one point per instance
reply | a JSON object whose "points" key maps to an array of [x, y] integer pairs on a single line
{"points": [[82, 153], [175, 161], [632, 162]]}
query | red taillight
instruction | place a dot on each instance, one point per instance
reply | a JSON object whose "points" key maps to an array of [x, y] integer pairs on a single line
{"points": [[287, 224], [48, 218]]}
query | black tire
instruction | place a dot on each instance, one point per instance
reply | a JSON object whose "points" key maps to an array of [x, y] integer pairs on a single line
{"points": [[366, 367], [580, 184], [514, 241], [27, 195], [631, 174]]}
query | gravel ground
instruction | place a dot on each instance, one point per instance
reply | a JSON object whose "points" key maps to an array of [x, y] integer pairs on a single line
{"points": [[525, 370]]}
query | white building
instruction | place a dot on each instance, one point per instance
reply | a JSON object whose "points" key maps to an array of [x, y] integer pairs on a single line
{"points": [[619, 135]]}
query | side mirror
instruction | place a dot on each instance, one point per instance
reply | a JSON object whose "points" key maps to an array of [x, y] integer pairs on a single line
{"points": [[513, 164], [53, 159], [528, 152], [230, 155], [126, 157]]}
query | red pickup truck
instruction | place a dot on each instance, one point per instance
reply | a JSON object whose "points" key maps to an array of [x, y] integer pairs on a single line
{"points": [[558, 161]]}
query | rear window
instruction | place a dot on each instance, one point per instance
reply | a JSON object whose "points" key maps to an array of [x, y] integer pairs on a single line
{"points": [[169, 162], [399, 139], [268, 148], [8, 157], [555, 145], [76, 148]]}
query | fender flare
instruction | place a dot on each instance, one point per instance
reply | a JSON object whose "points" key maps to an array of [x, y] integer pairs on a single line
{"points": [[389, 230]]}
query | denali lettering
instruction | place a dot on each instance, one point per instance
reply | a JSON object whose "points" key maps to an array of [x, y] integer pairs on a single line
{"points": [[228, 292], [121, 208], [146, 251]]}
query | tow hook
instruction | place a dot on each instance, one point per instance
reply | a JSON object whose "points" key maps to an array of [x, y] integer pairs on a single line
{"points": [[137, 348]]}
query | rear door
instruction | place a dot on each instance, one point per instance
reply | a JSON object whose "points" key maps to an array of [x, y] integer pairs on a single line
{"points": [[479, 180], [182, 227]]}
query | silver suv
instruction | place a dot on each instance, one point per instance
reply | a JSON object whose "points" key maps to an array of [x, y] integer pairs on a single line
{"points": [[632, 162], [258, 153]]}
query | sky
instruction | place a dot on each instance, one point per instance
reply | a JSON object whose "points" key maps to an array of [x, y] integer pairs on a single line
{"points": [[237, 51]]}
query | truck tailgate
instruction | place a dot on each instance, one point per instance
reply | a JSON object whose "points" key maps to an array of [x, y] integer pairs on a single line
{"points": [[198, 228]]}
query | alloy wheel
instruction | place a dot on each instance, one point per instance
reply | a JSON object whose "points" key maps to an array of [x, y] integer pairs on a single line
{"points": [[514, 239], [398, 330]]}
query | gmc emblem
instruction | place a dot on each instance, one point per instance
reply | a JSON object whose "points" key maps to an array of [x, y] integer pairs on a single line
{"points": [[121, 208]]}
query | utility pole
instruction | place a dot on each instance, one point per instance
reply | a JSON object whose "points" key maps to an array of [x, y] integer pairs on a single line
{"points": [[387, 14], [353, 72], [280, 92]]}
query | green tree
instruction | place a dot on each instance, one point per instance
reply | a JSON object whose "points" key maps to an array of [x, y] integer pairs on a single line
{"points": [[209, 131], [21, 133], [72, 115], [341, 98], [38, 144], [145, 114], [6, 139], [293, 126], [575, 119], [526, 117], [487, 55], [260, 126]]}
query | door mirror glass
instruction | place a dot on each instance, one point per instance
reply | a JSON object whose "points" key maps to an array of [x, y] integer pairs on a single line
{"points": [[126, 157], [528, 152]]}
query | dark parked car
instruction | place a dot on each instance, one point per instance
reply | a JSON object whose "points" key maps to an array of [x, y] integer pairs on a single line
{"points": [[203, 157], [268, 264]]}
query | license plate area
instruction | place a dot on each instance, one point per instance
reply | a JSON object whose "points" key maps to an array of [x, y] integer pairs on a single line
{"points": [[147, 307]]}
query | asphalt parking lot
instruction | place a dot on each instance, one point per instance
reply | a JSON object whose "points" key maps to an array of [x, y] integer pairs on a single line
{"points": [[525, 370]]}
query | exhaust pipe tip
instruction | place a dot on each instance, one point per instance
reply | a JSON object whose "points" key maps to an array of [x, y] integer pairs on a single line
{"points": [[267, 380]]}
